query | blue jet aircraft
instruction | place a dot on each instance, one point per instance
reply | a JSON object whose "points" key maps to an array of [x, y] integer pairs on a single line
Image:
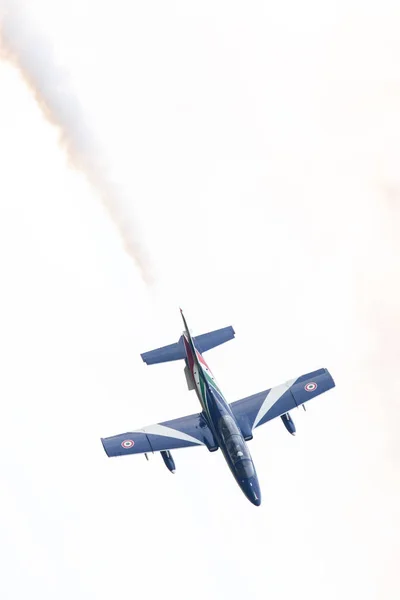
{"points": [[219, 424]]}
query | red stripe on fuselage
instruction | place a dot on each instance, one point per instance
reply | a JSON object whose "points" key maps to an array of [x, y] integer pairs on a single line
{"points": [[203, 362], [189, 353]]}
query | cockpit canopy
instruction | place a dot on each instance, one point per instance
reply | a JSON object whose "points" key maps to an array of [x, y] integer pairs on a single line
{"points": [[228, 427], [236, 447]]}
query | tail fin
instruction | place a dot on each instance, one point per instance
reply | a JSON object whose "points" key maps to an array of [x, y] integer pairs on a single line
{"points": [[203, 342]]}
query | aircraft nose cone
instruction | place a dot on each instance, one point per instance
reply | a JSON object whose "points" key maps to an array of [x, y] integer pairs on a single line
{"points": [[255, 501], [252, 491]]}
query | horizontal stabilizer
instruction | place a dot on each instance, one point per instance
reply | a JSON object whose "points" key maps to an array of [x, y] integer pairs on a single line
{"points": [[203, 342], [214, 338], [165, 354]]}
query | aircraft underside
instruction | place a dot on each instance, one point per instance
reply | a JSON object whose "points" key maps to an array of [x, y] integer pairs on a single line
{"points": [[218, 424]]}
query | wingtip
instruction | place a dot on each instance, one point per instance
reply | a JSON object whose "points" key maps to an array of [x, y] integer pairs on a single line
{"points": [[104, 447]]}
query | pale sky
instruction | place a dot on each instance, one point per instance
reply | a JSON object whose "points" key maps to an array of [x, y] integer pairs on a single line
{"points": [[251, 152]]}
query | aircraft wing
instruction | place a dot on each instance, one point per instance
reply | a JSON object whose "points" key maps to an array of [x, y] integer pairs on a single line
{"points": [[178, 433], [256, 410]]}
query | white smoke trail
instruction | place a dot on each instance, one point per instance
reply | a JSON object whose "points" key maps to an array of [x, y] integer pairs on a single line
{"points": [[33, 56]]}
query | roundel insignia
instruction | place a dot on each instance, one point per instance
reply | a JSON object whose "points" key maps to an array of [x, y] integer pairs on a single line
{"points": [[310, 387], [128, 444]]}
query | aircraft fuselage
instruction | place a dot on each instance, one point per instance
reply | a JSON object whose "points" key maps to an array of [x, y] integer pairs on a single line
{"points": [[222, 422]]}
